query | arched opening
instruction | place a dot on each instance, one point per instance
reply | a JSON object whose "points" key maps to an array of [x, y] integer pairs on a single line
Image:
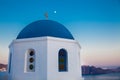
{"points": [[30, 60], [62, 60]]}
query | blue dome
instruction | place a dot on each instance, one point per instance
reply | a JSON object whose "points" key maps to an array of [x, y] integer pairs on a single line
{"points": [[43, 28]]}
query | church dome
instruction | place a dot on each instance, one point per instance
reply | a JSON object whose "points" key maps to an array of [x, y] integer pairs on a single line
{"points": [[43, 28]]}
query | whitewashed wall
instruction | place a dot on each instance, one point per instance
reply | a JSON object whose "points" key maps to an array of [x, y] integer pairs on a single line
{"points": [[46, 65], [18, 59], [73, 49]]}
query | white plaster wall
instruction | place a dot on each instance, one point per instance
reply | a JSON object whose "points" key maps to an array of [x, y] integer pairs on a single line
{"points": [[19, 48], [11, 69], [46, 66], [73, 49]]}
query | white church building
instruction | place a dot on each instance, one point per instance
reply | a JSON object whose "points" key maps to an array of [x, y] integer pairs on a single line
{"points": [[44, 50]]}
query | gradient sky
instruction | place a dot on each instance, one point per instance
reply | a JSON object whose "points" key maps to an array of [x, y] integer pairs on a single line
{"points": [[95, 24]]}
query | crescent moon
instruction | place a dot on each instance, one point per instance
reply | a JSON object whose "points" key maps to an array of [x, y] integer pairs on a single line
{"points": [[54, 11]]}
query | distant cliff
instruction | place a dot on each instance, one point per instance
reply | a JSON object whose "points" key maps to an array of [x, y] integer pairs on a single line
{"points": [[92, 70], [3, 67]]}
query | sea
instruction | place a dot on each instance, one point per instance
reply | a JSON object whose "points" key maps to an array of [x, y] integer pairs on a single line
{"points": [[110, 76], [3, 76]]}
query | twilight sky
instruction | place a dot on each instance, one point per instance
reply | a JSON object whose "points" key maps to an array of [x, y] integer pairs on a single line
{"points": [[95, 24]]}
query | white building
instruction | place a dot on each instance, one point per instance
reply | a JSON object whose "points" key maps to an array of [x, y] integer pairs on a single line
{"points": [[44, 50]]}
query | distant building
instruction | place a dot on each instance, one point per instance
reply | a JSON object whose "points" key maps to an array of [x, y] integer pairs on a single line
{"points": [[44, 50], [2, 69]]}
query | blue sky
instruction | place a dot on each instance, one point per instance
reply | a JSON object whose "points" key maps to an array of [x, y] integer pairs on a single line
{"points": [[94, 23]]}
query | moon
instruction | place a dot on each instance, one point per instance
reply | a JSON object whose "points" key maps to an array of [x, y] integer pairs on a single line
{"points": [[55, 11]]}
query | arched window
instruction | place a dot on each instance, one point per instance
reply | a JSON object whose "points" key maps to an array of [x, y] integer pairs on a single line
{"points": [[30, 60], [62, 60]]}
